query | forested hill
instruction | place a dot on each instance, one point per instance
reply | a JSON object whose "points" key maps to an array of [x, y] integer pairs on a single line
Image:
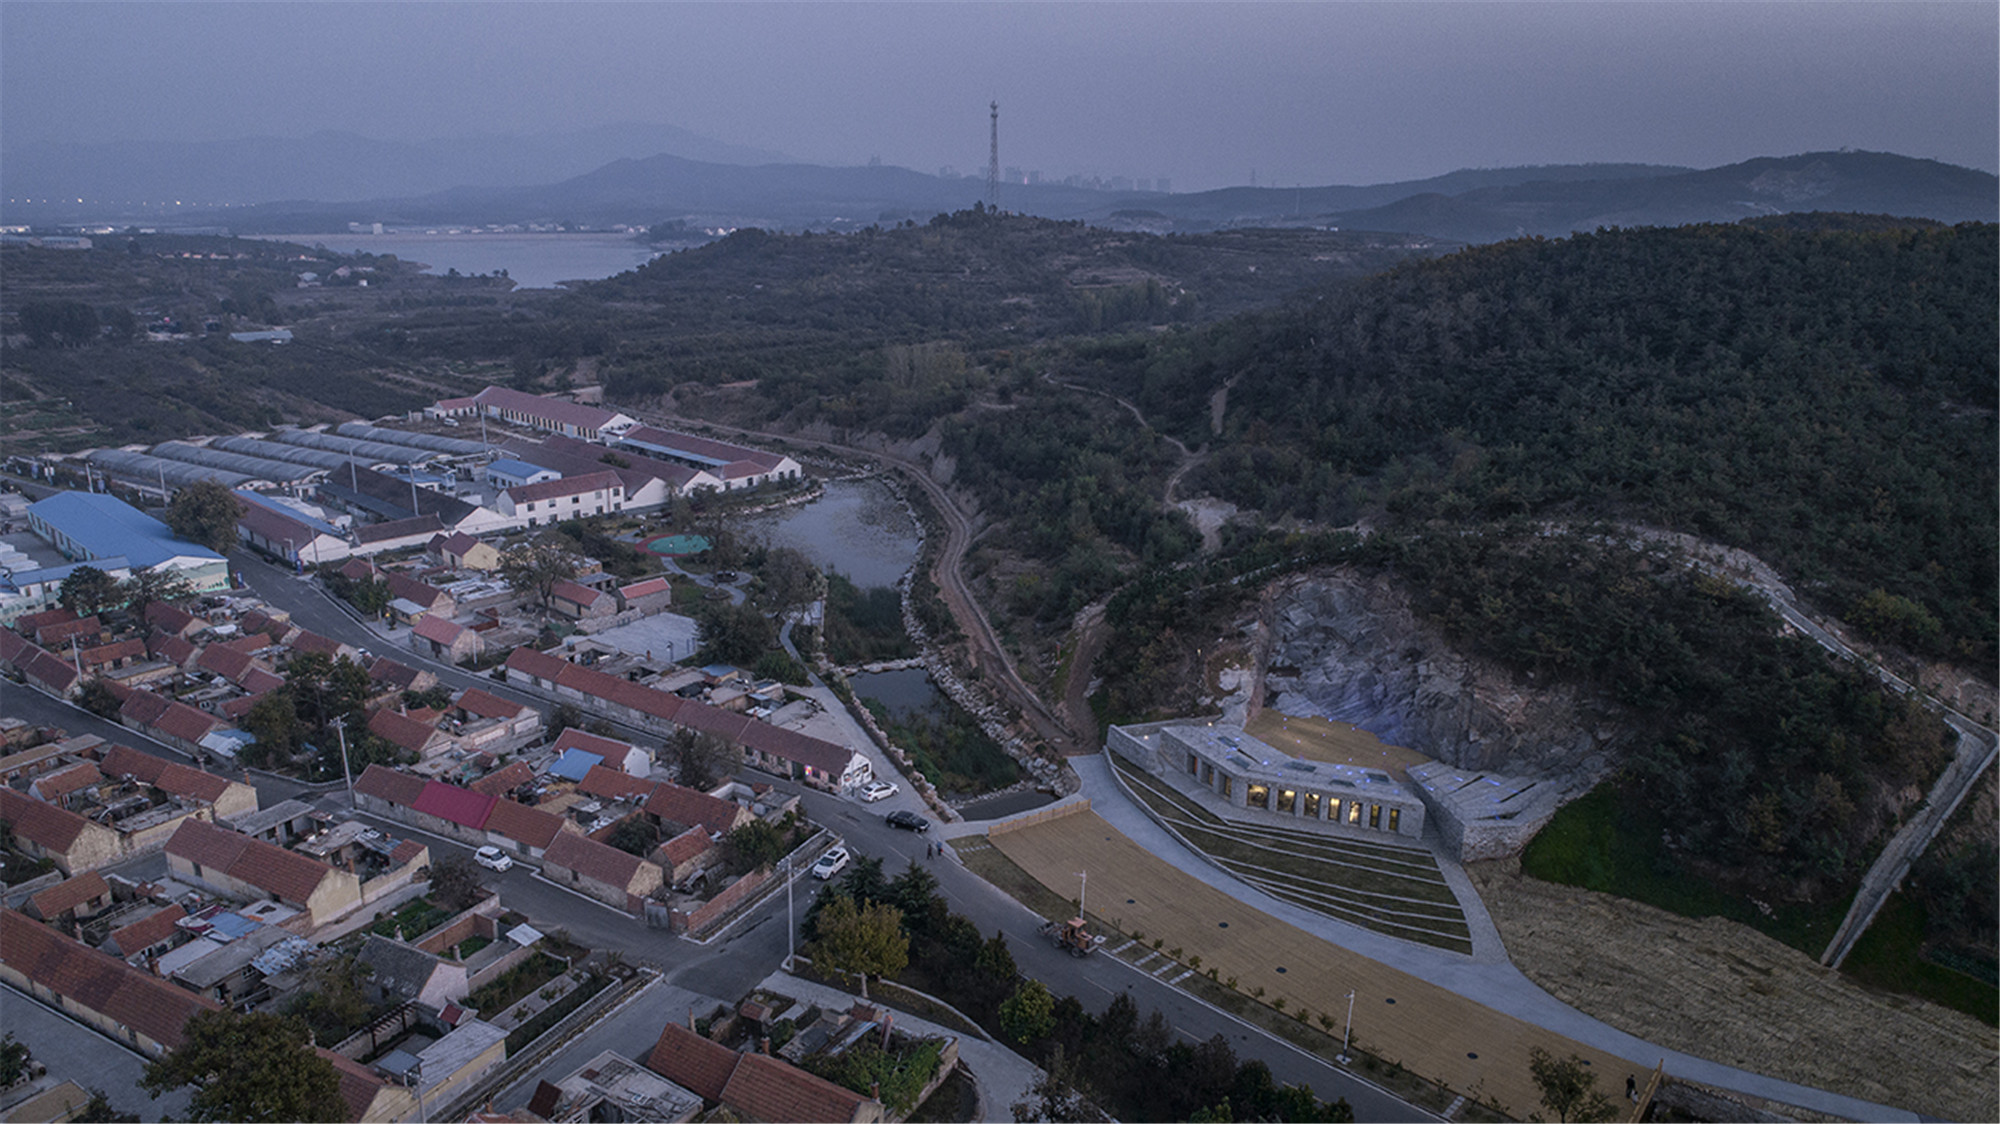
{"points": [[976, 270], [1818, 390]]}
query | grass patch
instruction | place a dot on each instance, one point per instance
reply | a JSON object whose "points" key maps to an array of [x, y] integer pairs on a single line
{"points": [[864, 625], [1605, 842], [515, 984], [952, 752], [954, 1101], [1890, 956], [519, 1038], [416, 917]]}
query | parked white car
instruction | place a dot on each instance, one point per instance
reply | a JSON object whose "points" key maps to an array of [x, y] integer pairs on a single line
{"points": [[878, 790], [493, 858], [830, 864]]}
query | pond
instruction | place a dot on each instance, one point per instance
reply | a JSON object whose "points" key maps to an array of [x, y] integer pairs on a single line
{"points": [[858, 528], [901, 692]]}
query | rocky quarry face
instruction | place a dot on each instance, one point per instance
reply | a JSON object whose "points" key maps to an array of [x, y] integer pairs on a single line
{"points": [[1347, 647]]}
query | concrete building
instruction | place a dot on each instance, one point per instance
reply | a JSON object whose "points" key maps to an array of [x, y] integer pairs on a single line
{"points": [[289, 535], [611, 1086], [443, 640], [44, 831], [90, 526], [571, 497], [1259, 783], [604, 872], [130, 1005], [755, 1086], [399, 972]]}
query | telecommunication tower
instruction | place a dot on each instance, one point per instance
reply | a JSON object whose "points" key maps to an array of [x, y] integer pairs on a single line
{"points": [[993, 164]]}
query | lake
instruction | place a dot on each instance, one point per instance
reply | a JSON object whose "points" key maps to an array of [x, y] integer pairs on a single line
{"points": [[534, 261], [857, 528]]}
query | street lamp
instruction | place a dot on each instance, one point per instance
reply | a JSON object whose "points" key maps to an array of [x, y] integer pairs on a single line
{"points": [[791, 930], [340, 728], [1347, 1034], [1083, 886]]}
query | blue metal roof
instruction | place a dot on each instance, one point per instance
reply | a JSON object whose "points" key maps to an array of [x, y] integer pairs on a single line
{"points": [[506, 466], [574, 763], [106, 526]]}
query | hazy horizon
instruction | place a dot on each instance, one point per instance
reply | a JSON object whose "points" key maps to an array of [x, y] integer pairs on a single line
{"points": [[1205, 95]]}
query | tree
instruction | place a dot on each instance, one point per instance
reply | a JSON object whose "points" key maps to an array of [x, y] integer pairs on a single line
{"points": [[206, 512], [1568, 1087], [635, 836], [755, 844], [98, 1110], [455, 883], [860, 940], [155, 583], [88, 590], [700, 759], [790, 579], [1029, 1013], [274, 721], [50, 323], [248, 1067], [14, 1058], [1058, 1094], [535, 567], [735, 634]]}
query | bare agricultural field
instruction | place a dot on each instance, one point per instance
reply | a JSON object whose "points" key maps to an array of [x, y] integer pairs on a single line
{"points": [[1471, 1048], [1337, 743], [1724, 991]]}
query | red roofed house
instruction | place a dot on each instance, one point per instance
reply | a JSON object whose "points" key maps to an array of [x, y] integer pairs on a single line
{"points": [[87, 631], [686, 855], [525, 831], [678, 808], [251, 868], [451, 811], [83, 896], [581, 603], [387, 792], [228, 798], [654, 595], [571, 497], [113, 655], [754, 1086], [619, 755], [174, 622], [604, 872], [554, 414], [491, 724], [73, 843], [409, 733], [127, 1003], [368, 1095], [175, 723], [32, 622], [608, 782], [141, 937], [60, 786], [461, 549], [440, 639]]}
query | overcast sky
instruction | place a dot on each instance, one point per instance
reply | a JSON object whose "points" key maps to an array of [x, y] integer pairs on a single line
{"points": [[1201, 93]]}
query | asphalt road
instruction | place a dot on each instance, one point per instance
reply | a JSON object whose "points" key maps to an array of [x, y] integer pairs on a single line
{"points": [[756, 944]]}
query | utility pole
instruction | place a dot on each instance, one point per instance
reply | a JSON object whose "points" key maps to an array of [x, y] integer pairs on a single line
{"points": [[340, 728], [993, 164], [791, 927], [1083, 887], [1347, 1034]]}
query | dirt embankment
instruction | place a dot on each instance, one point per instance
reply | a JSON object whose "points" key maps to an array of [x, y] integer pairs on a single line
{"points": [[1728, 993]]}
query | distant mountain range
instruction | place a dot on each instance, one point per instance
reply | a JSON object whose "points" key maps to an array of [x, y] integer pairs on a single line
{"points": [[332, 167], [333, 179]]}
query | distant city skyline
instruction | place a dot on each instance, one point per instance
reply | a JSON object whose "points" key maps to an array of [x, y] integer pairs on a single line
{"points": [[1200, 94]]}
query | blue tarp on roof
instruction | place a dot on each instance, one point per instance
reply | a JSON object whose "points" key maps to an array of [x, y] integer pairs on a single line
{"points": [[574, 763], [106, 526]]}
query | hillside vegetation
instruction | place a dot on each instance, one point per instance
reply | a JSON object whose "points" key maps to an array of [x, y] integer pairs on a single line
{"points": [[1821, 395]]}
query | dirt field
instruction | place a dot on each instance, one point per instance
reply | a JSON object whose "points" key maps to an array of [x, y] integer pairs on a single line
{"points": [[1337, 743], [1397, 1016], [1726, 992]]}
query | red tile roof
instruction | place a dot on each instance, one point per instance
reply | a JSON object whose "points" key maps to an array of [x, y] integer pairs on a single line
{"points": [[555, 410], [566, 486], [167, 776], [124, 994], [610, 783], [406, 851], [45, 825], [58, 631], [767, 1088], [596, 861], [147, 932], [224, 660], [53, 674], [644, 588], [450, 802], [113, 652], [410, 589], [607, 748], [359, 1085], [33, 621], [485, 704], [288, 874], [704, 448], [69, 894], [503, 781], [402, 730], [385, 783], [63, 781], [519, 822], [694, 1063], [576, 594], [435, 628], [166, 618], [386, 670], [689, 844], [685, 806], [173, 648], [304, 641]]}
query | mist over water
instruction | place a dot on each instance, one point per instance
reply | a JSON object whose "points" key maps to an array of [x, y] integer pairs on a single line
{"points": [[533, 261]]}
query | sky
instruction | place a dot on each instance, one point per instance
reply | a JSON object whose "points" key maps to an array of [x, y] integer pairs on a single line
{"points": [[1205, 94]]}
